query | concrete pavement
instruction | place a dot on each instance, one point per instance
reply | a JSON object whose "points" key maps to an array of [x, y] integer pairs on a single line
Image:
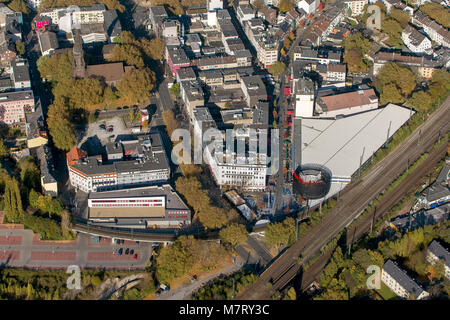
{"points": [[22, 248]]}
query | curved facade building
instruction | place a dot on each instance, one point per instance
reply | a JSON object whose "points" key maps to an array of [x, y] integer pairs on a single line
{"points": [[312, 181]]}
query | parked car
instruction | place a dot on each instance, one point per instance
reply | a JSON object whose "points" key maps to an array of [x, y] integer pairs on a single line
{"points": [[131, 251], [135, 256], [102, 126], [120, 251], [127, 251]]}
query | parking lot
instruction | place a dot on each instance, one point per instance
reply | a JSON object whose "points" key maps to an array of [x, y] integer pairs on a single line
{"points": [[95, 137]]}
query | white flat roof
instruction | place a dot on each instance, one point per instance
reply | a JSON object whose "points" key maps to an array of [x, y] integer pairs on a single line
{"points": [[339, 144]]}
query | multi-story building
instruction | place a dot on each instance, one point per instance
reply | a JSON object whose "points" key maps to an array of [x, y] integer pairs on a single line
{"points": [[7, 48], [192, 94], [14, 105], [231, 169], [97, 24], [416, 41], [423, 65], [309, 6], [400, 283], [320, 55], [437, 252], [254, 90], [304, 92], [176, 58], [356, 6], [49, 183], [263, 40], [137, 162], [435, 31], [138, 208], [20, 74]]}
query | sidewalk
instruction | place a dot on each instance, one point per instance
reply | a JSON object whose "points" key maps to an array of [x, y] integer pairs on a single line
{"points": [[185, 292]]}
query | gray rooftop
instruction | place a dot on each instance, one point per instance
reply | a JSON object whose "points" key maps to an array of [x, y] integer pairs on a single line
{"points": [[146, 151], [402, 278], [20, 70], [439, 251]]}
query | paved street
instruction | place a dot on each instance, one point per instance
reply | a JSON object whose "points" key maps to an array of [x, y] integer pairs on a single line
{"points": [[22, 248]]}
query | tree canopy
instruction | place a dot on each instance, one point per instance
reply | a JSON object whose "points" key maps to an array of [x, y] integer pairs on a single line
{"points": [[60, 126], [136, 84], [234, 234], [280, 234], [395, 83], [277, 68], [437, 12]]}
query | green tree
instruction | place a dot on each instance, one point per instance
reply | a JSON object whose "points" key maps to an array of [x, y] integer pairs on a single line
{"points": [[285, 5], [400, 16], [175, 89], [437, 12], [13, 202], [291, 294], [394, 30], [20, 47], [277, 68], [136, 85], [56, 67], [3, 149], [61, 127], [421, 101], [19, 6], [395, 83], [234, 234], [280, 234]]}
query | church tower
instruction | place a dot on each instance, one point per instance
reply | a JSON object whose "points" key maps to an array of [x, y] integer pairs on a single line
{"points": [[78, 64]]}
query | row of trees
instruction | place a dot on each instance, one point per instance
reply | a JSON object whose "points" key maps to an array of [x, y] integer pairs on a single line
{"points": [[134, 52], [437, 12], [398, 84], [222, 288], [110, 4]]}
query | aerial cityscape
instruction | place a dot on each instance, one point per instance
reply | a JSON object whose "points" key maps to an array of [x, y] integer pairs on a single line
{"points": [[224, 150]]}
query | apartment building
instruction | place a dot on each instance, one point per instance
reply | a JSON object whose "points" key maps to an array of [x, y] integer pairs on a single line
{"points": [[264, 41], [436, 252], [356, 6], [230, 169], [309, 6], [128, 163], [49, 183], [423, 65], [20, 75], [14, 105], [400, 283], [416, 41], [435, 31], [320, 55], [176, 58]]}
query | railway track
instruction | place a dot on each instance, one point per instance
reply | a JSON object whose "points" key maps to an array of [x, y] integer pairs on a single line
{"points": [[351, 204]]}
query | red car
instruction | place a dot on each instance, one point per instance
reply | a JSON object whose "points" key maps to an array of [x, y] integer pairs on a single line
{"points": [[135, 256]]}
